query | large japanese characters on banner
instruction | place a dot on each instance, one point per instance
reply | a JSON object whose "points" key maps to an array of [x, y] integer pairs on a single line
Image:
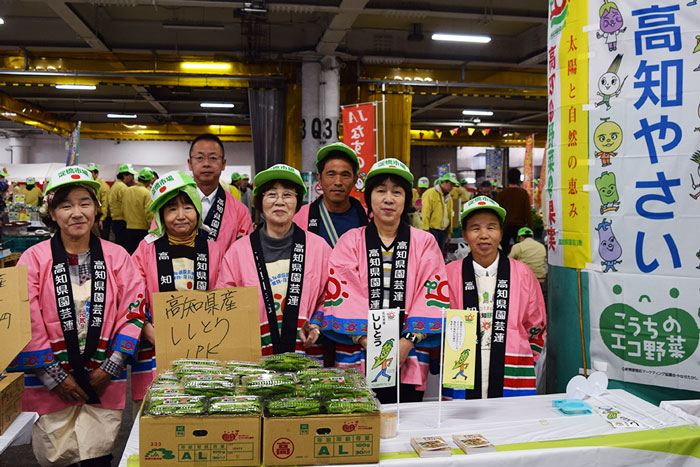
{"points": [[643, 185], [360, 133]]}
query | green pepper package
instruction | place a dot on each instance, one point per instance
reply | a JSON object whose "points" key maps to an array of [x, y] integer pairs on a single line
{"points": [[166, 391], [188, 369], [345, 405], [209, 385], [333, 386], [167, 376], [232, 364], [235, 405], [270, 384], [182, 405], [289, 362], [320, 373], [293, 406], [194, 361]]}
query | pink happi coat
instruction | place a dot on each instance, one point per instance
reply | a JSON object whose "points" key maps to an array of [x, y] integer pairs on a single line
{"points": [[235, 222], [347, 300], [123, 319], [238, 270], [143, 370], [301, 218], [526, 327]]}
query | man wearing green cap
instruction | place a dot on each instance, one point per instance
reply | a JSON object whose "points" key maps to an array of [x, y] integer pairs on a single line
{"points": [[32, 193], [531, 252], [125, 178], [459, 196], [135, 205], [226, 217], [437, 211], [335, 212], [103, 195], [233, 186], [243, 186]]}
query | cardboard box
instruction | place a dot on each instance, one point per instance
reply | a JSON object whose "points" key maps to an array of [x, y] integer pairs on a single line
{"points": [[11, 389], [203, 441], [321, 439]]}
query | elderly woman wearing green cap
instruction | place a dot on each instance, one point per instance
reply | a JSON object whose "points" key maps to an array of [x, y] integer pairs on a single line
{"points": [[511, 319], [135, 205], [175, 255], [288, 265], [85, 303], [387, 264]]}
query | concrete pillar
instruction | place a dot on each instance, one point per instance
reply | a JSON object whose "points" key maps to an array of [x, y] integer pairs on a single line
{"points": [[19, 150], [310, 77], [330, 99]]}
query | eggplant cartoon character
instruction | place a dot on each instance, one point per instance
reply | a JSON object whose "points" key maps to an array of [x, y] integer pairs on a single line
{"points": [[609, 248]]}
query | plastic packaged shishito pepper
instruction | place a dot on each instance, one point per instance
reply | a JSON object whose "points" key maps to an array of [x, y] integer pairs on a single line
{"points": [[320, 373], [332, 386], [235, 405], [352, 405], [293, 406], [167, 376], [189, 369], [239, 372], [209, 385], [181, 405], [289, 362], [270, 384], [194, 361]]}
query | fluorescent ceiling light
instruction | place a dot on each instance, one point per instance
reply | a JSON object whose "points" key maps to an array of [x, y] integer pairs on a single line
{"points": [[483, 113], [2, 21], [195, 26], [205, 66], [461, 38], [122, 115], [84, 87], [218, 105]]}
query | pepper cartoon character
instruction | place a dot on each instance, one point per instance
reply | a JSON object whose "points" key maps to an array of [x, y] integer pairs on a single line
{"points": [[609, 83], [609, 248], [698, 128], [611, 24], [607, 190], [695, 158], [607, 139], [383, 361], [462, 364]]}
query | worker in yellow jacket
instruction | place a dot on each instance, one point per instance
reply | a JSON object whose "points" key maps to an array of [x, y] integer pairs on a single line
{"points": [[31, 192], [103, 224], [437, 209], [135, 205], [125, 178]]}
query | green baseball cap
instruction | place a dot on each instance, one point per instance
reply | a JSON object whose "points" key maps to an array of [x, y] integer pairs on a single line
{"points": [[325, 151], [126, 168], [92, 167], [71, 175], [464, 181], [525, 231], [146, 174], [390, 166], [3, 173], [482, 202], [278, 172], [30, 181], [450, 177], [166, 188], [245, 177], [235, 176], [423, 182]]}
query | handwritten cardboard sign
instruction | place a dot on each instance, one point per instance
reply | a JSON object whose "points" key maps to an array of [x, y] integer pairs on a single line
{"points": [[15, 321], [222, 324]]}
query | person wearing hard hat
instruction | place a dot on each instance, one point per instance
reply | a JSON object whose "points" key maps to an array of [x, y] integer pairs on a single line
{"points": [[135, 205], [531, 252], [335, 212], [437, 209], [31, 192], [125, 178], [227, 218], [288, 266], [175, 255], [105, 220], [84, 307], [511, 321], [387, 264]]}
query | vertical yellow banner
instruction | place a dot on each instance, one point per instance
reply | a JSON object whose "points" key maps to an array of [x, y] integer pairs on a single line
{"points": [[573, 62], [459, 357]]}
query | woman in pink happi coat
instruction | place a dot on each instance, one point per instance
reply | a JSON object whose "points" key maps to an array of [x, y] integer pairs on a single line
{"points": [[511, 319], [86, 308], [176, 255], [387, 264], [288, 265]]}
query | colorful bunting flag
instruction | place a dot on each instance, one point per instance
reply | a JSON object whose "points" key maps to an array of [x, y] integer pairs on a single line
{"points": [[471, 131]]}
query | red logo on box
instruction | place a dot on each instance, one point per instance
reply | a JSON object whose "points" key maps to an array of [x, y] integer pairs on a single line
{"points": [[229, 436], [348, 427], [282, 448]]}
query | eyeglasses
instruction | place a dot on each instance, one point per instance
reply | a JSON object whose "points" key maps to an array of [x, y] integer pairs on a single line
{"points": [[213, 158], [272, 196]]}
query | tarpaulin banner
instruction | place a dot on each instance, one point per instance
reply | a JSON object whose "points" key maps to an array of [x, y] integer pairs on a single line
{"points": [[527, 169], [360, 133], [494, 166]]}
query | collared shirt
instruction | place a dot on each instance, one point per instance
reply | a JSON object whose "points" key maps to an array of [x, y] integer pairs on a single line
{"points": [[486, 287], [207, 201]]}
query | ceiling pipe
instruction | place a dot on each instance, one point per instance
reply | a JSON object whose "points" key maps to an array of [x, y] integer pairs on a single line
{"points": [[131, 74]]}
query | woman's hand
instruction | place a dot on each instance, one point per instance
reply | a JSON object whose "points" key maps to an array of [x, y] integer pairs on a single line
{"points": [[405, 347], [99, 380], [309, 334], [69, 391], [149, 333], [363, 342]]}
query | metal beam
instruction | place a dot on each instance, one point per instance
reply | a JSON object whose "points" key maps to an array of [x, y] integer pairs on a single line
{"points": [[431, 105], [342, 22], [148, 97], [77, 24]]}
